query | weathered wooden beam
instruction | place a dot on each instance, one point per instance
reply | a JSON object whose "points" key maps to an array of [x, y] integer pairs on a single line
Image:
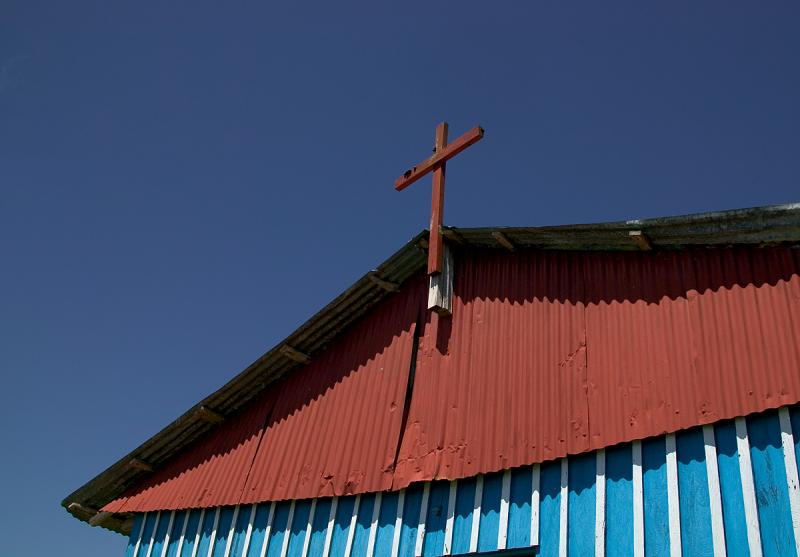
{"points": [[440, 289], [99, 518], [453, 236], [422, 246], [77, 508], [385, 284], [448, 152], [207, 414], [294, 354], [436, 253], [503, 240], [139, 464], [640, 239]]}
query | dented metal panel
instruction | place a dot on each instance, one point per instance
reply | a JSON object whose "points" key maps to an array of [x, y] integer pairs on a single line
{"points": [[687, 338], [335, 427], [497, 383]]}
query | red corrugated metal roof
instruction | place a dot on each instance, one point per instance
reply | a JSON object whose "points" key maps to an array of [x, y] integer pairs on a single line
{"points": [[758, 226], [550, 354], [213, 472], [330, 428], [546, 354], [335, 431]]}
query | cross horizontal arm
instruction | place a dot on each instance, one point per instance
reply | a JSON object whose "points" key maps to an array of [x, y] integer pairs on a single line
{"points": [[450, 151]]}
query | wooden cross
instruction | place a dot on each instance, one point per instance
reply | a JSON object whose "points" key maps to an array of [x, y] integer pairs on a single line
{"points": [[442, 152]]}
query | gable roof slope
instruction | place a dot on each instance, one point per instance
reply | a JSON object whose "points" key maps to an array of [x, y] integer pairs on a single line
{"points": [[771, 225]]}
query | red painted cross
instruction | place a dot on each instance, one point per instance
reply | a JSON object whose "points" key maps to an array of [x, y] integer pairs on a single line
{"points": [[442, 152]]}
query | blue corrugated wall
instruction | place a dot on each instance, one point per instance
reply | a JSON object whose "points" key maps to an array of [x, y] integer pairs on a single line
{"points": [[727, 489]]}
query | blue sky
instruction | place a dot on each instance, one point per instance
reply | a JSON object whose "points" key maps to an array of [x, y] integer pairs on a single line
{"points": [[182, 184]]}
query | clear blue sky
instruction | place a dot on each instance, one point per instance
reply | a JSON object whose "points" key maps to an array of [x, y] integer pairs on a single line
{"points": [[183, 183]]}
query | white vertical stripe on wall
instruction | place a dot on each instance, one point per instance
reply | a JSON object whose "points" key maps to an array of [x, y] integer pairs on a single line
{"points": [[423, 517], [199, 531], [787, 440], [600, 505], [268, 529], [563, 510], [329, 531], [536, 475], [139, 536], [714, 496], [398, 523], [307, 539], [451, 514], [748, 488], [505, 494], [213, 533], [248, 535], [231, 532], [373, 527], [476, 515], [183, 533], [287, 534], [165, 545], [673, 501], [153, 535], [351, 531], [638, 500]]}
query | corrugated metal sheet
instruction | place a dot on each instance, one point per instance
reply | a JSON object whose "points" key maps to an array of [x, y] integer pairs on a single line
{"points": [[757, 226], [212, 472], [687, 338], [337, 422], [734, 486], [329, 429], [549, 353], [504, 379]]}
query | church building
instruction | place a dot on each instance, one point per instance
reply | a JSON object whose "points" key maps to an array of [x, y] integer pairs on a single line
{"points": [[622, 389], [626, 388]]}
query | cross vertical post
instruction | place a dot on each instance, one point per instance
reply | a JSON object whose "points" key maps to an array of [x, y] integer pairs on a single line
{"points": [[437, 204]]}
